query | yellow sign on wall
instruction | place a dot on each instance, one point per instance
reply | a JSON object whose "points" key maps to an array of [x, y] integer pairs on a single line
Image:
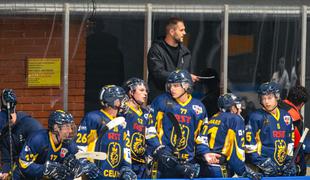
{"points": [[44, 72]]}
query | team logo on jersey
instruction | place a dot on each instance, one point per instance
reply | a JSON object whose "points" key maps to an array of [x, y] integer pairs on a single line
{"points": [[287, 120], [266, 122], [182, 143], [114, 154], [280, 151], [63, 152], [137, 144], [197, 109]]}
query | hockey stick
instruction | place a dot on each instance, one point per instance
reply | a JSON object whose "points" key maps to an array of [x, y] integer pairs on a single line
{"points": [[177, 127], [304, 134], [112, 124], [119, 121], [91, 155], [10, 137]]}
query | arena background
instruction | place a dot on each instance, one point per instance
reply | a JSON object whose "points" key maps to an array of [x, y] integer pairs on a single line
{"points": [[105, 42]]}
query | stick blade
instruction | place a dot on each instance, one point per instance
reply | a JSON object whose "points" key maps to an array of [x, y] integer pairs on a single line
{"points": [[91, 155]]}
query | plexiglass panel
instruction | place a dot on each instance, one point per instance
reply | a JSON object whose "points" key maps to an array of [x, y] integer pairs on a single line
{"points": [[260, 50]]}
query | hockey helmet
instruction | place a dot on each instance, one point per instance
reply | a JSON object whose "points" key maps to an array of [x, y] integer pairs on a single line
{"points": [[8, 97], [132, 83], [109, 94], [226, 101], [59, 117], [269, 88], [66, 130], [180, 76]]}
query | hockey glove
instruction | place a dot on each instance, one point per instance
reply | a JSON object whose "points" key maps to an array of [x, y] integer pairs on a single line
{"points": [[269, 168], [289, 169], [249, 173], [188, 170], [55, 170], [127, 174], [73, 165], [165, 158], [90, 169]]}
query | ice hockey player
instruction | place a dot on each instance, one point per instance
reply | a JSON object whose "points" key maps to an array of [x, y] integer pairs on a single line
{"points": [[179, 118], [226, 136], [143, 133], [50, 152], [22, 126], [95, 136], [269, 135]]}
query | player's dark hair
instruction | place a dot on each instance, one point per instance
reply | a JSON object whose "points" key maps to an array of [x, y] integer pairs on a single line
{"points": [[298, 95], [172, 22]]}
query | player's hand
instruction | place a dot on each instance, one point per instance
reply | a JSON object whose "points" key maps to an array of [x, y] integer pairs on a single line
{"points": [[194, 78], [269, 168], [212, 158], [250, 173], [4, 176], [165, 158], [127, 174], [55, 170], [73, 165], [90, 169]]}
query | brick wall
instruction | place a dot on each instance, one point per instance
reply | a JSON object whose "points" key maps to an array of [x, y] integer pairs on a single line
{"points": [[38, 37]]}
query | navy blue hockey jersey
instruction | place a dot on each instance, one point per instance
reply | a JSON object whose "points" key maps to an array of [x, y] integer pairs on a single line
{"points": [[269, 135], [226, 135], [191, 115], [24, 126], [38, 149], [142, 133], [114, 142]]}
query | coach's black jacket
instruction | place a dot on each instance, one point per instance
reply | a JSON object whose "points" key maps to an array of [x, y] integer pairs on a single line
{"points": [[160, 65]]}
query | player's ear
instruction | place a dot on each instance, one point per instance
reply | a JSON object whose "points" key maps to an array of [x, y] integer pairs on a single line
{"points": [[56, 128], [185, 86], [131, 93]]}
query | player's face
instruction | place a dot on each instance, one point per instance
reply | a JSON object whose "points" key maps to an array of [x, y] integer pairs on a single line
{"points": [[67, 131], [269, 102], [179, 32], [176, 90], [236, 109], [140, 93]]}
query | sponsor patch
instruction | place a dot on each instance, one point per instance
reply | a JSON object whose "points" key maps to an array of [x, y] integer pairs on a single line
{"points": [[63, 152], [287, 120], [197, 109]]}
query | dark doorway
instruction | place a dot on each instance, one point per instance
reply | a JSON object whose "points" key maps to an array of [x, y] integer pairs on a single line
{"points": [[114, 53]]}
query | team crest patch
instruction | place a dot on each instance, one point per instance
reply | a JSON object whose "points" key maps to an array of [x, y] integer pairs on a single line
{"points": [[114, 154], [280, 151], [287, 120], [63, 152], [197, 109]]}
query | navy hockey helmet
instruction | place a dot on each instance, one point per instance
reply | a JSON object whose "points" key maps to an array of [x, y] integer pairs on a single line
{"points": [[132, 83], [109, 94], [59, 117], [180, 76], [269, 88], [8, 97], [226, 101]]}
